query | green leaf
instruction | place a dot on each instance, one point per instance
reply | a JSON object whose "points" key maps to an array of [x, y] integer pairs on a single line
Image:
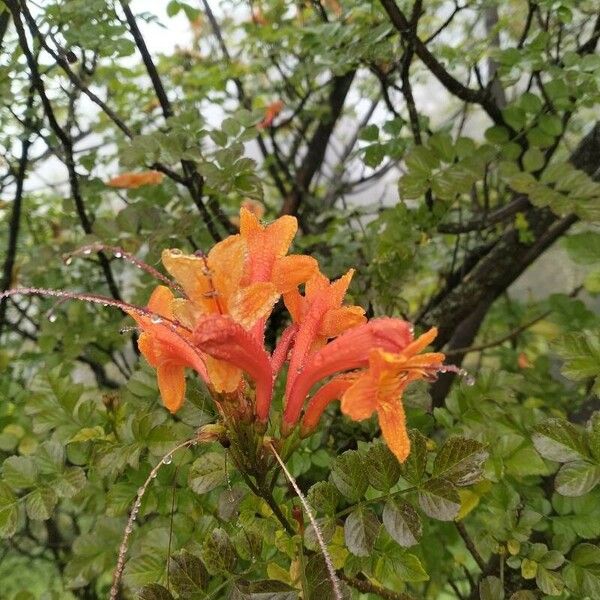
{"points": [[20, 472], [323, 497], [549, 582], [421, 160], [533, 159], [581, 353], [441, 144], [559, 440], [460, 460], [383, 468], [497, 135], [327, 526], [439, 499], [188, 575], [491, 588], [582, 573], [218, 552], [369, 133], [550, 124], [348, 475], [262, 590], [583, 248], [40, 503], [70, 482], [402, 522], [408, 567], [594, 435], [207, 473], [8, 511], [154, 591], [577, 478], [413, 468], [360, 531], [374, 154], [412, 186]]}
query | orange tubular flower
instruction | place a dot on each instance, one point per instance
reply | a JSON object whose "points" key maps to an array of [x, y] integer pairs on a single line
{"points": [[320, 316], [270, 271], [379, 389], [224, 339], [167, 348], [271, 111], [136, 180], [347, 352]]}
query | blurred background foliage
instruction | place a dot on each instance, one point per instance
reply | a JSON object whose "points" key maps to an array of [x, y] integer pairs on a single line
{"points": [[449, 150]]}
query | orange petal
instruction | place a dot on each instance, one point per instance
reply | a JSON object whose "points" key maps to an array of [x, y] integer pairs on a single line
{"points": [[290, 271], [254, 206], [393, 428], [226, 261], [253, 302], [249, 223], [340, 287], [331, 391], [192, 274], [136, 180], [421, 342], [171, 383], [186, 312], [294, 302], [223, 338], [224, 376], [148, 349], [317, 283], [360, 400], [280, 354], [280, 234], [338, 320], [161, 301]]}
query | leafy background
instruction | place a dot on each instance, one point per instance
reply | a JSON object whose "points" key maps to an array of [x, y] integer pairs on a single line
{"points": [[446, 150]]}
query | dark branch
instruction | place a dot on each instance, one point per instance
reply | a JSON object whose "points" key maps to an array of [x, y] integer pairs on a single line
{"points": [[317, 146], [453, 85]]}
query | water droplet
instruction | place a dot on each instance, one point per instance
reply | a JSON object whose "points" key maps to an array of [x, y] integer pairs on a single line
{"points": [[87, 251], [128, 529], [467, 377], [167, 460], [155, 319], [52, 318], [153, 475], [118, 254], [140, 491], [176, 251], [68, 260], [105, 304]]}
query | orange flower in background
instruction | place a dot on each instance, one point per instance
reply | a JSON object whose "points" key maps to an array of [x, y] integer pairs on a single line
{"points": [[334, 6], [167, 348], [379, 389], [271, 111], [130, 181], [258, 18]]}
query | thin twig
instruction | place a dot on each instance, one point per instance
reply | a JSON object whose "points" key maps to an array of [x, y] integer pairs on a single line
{"points": [[335, 584], [509, 336], [166, 459]]}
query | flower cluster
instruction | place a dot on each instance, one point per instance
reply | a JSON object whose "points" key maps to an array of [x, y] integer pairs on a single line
{"points": [[212, 319]]}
